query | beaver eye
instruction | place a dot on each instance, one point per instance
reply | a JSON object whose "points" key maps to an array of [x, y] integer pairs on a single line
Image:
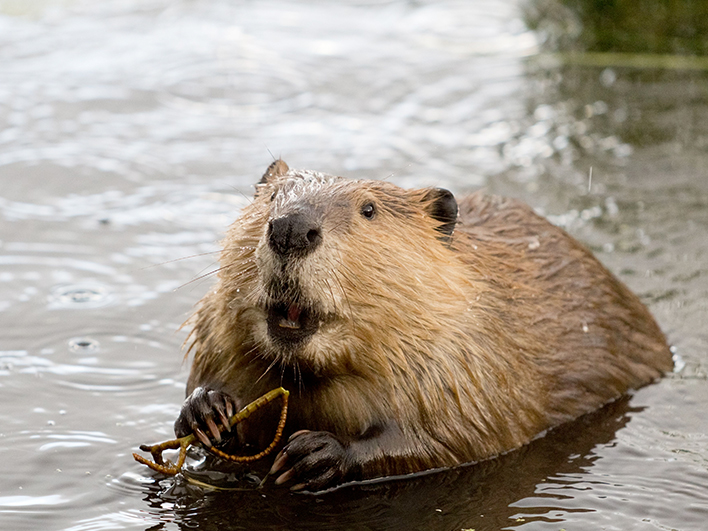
{"points": [[272, 196], [368, 210]]}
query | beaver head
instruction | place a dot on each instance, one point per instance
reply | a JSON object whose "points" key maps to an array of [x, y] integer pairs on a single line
{"points": [[319, 268]]}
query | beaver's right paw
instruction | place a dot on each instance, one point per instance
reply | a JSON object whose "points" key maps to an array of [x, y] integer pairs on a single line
{"points": [[200, 413]]}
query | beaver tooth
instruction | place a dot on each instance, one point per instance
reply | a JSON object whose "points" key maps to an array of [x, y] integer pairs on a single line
{"points": [[284, 323]]}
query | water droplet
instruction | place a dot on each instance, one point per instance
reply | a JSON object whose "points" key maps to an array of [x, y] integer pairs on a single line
{"points": [[83, 345]]}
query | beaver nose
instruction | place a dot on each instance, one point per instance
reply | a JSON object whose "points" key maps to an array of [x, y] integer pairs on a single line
{"points": [[297, 233]]}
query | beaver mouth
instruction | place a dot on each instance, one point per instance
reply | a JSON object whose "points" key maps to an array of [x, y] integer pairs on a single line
{"points": [[290, 322]]}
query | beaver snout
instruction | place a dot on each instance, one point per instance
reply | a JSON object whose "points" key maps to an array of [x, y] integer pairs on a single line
{"points": [[297, 233]]}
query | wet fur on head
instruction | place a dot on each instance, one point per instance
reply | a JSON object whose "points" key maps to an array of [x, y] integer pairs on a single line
{"points": [[330, 280]]}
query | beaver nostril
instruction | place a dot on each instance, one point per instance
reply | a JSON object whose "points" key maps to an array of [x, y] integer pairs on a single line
{"points": [[313, 235]]}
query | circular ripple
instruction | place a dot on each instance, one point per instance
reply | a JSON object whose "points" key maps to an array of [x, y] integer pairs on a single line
{"points": [[80, 296], [83, 345], [257, 88]]}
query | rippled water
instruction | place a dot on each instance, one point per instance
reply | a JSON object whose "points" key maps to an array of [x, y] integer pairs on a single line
{"points": [[130, 136]]}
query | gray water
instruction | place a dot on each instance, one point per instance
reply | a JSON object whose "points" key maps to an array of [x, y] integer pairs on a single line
{"points": [[131, 133]]}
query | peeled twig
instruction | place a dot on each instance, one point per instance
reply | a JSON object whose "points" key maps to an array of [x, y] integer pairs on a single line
{"points": [[167, 467]]}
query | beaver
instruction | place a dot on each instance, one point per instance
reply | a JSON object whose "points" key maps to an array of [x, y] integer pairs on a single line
{"points": [[413, 331]]}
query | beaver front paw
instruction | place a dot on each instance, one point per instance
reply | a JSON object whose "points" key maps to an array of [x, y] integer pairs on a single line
{"points": [[201, 412], [312, 460]]}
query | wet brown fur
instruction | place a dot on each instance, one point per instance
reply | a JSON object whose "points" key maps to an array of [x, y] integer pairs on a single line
{"points": [[433, 353]]}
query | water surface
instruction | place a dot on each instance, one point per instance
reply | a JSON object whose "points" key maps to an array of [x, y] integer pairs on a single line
{"points": [[131, 134]]}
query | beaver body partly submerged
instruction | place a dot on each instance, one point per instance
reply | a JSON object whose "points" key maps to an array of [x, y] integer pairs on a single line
{"points": [[412, 332]]}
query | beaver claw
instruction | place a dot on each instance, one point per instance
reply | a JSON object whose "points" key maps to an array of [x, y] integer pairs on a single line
{"points": [[201, 412], [312, 460]]}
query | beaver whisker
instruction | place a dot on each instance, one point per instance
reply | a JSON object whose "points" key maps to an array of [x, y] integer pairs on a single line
{"points": [[341, 286], [180, 259], [217, 270], [201, 277], [298, 377], [331, 293], [270, 366], [288, 361], [282, 289]]}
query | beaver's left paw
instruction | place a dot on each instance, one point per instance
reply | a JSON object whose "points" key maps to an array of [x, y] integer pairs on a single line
{"points": [[312, 460]]}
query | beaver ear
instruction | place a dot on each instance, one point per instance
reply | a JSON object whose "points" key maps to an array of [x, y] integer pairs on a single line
{"points": [[278, 168], [442, 206]]}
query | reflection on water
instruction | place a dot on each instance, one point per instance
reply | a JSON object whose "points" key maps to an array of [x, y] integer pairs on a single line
{"points": [[490, 495], [131, 134]]}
